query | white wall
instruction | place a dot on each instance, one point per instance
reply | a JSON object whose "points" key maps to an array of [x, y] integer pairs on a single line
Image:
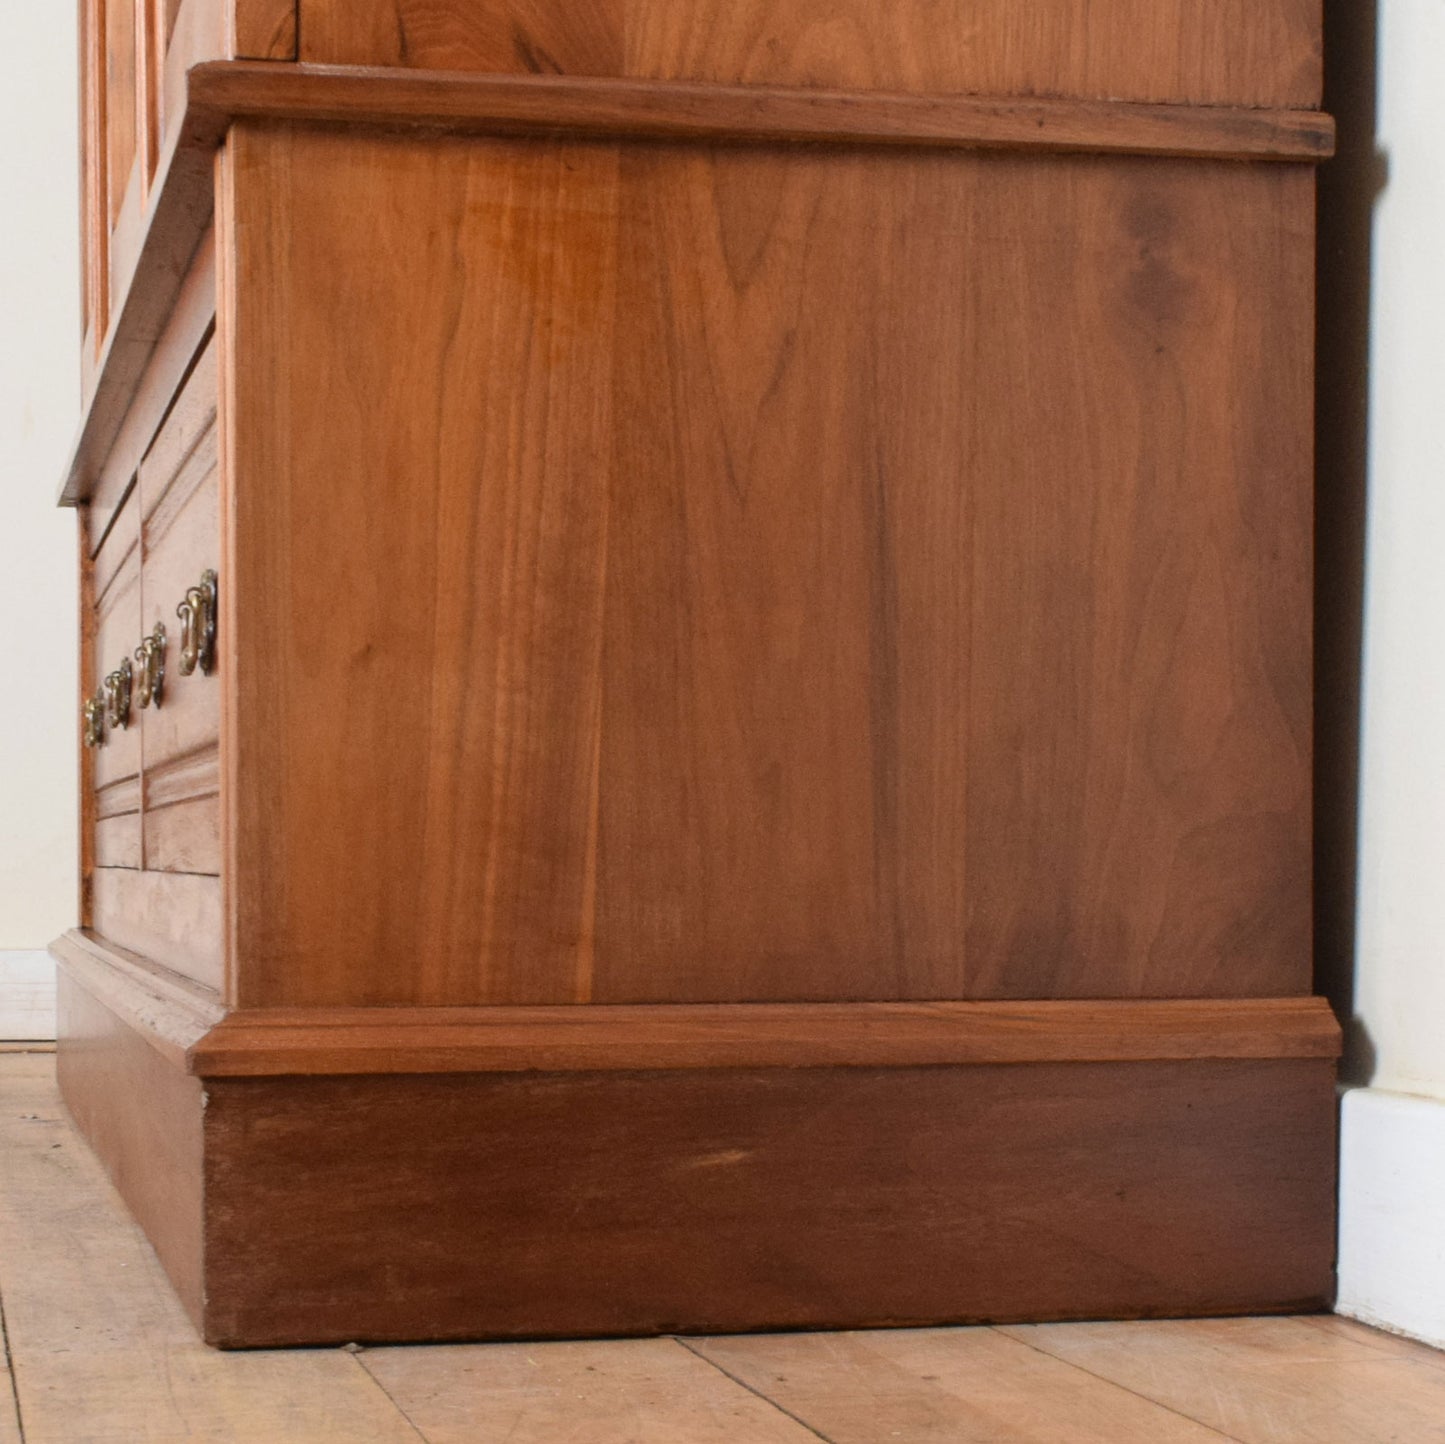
{"points": [[1392, 1246], [39, 399]]}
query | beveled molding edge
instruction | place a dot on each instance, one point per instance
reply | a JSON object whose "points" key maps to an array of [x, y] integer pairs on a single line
{"points": [[604, 106], [446, 102], [170, 1012], [189, 1025], [613, 1037]]}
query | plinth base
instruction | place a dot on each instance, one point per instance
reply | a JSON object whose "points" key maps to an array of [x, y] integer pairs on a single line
{"points": [[403, 1174]]}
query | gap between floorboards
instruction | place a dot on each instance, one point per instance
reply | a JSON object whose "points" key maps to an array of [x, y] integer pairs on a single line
{"points": [[756, 1393]]}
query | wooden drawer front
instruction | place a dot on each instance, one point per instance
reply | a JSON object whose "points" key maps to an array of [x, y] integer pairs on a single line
{"points": [[155, 887], [116, 582], [180, 524], [171, 918], [115, 767]]}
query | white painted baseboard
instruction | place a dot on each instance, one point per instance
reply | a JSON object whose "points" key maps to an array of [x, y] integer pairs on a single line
{"points": [[27, 996], [1392, 1212]]}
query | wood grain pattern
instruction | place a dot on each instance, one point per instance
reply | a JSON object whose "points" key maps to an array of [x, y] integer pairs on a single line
{"points": [[117, 841], [85, 756], [184, 836], [116, 578], [1030, 1190], [1139, 633], [1240, 52], [753, 541], [880, 652], [856, 1196], [1261, 1381], [941, 1386], [142, 1116], [102, 1349], [172, 918], [632, 1391], [151, 35], [172, 1013], [265, 1041], [166, 367], [9, 1409], [179, 500], [262, 29], [650, 109], [198, 35], [175, 225], [127, 233], [522, 714], [217, 92], [94, 219], [119, 104]]}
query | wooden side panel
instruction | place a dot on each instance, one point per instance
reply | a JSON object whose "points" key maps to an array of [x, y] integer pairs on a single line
{"points": [[768, 575], [1212, 52], [717, 1201], [783, 749], [415, 614], [142, 1116], [262, 29], [1139, 461]]}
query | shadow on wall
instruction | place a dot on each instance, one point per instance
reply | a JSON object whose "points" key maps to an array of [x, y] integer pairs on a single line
{"points": [[1348, 187]]}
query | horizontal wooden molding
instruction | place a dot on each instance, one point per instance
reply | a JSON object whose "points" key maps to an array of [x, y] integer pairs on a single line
{"points": [[170, 1012], [184, 778], [116, 799], [688, 110], [189, 1024], [181, 202], [583, 1038]]}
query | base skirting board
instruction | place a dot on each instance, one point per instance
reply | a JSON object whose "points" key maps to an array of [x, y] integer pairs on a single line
{"points": [[27, 996], [1392, 1203], [684, 1169]]}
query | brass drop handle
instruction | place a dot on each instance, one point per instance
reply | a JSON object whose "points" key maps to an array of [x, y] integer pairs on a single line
{"points": [[151, 674], [198, 626], [93, 718], [117, 695]]}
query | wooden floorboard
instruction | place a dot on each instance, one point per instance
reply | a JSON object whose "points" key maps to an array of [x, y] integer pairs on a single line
{"points": [[1261, 1381], [101, 1353], [622, 1391], [942, 1386], [1377, 1339], [101, 1350], [9, 1409]]}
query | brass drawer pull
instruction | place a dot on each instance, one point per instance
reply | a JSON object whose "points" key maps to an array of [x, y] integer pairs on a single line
{"points": [[151, 676], [198, 626], [117, 695], [93, 715]]}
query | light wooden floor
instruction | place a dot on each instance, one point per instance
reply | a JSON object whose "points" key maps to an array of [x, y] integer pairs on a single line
{"points": [[98, 1350]]}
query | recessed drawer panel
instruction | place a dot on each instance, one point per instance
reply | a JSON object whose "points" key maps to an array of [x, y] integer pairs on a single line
{"points": [[116, 587], [180, 522], [171, 918]]}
